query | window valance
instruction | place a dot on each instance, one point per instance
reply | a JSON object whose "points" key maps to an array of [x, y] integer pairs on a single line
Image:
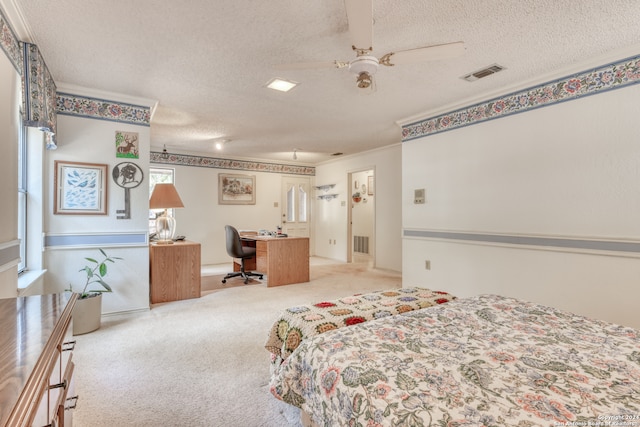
{"points": [[39, 94]]}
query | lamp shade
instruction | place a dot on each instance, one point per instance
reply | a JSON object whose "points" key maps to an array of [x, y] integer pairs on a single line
{"points": [[165, 196]]}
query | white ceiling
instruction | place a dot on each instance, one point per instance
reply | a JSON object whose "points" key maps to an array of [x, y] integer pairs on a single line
{"points": [[206, 62]]}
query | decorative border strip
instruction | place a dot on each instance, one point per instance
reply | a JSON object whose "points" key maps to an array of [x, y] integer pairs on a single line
{"points": [[615, 246], [10, 43], [102, 109], [608, 77], [95, 239], [212, 162], [9, 254]]}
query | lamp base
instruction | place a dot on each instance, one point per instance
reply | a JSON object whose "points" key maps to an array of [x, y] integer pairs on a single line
{"points": [[163, 242], [166, 228]]}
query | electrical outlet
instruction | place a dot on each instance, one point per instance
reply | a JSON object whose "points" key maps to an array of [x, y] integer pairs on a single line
{"points": [[419, 196], [275, 204], [427, 264], [334, 241]]}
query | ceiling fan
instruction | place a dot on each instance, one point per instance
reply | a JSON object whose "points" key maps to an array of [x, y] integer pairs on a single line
{"points": [[365, 65]]}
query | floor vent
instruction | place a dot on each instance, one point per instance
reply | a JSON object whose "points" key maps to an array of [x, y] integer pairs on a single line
{"points": [[361, 244], [485, 72]]}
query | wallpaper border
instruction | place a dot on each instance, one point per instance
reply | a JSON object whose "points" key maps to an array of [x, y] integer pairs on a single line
{"points": [[102, 109], [10, 43], [601, 79], [218, 163]]}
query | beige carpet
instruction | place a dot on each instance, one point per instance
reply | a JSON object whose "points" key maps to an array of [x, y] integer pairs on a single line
{"points": [[200, 362]]}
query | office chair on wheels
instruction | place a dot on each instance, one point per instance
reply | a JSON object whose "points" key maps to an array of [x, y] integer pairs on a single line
{"points": [[236, 250]]}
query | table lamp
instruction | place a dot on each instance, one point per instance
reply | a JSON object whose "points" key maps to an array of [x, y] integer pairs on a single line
{"points": [[165, 196]]}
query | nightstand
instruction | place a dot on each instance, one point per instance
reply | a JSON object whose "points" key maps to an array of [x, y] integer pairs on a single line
{"points": [[174, 271]]}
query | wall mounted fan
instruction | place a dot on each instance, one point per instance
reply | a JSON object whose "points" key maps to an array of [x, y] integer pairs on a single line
{"points": [[365, 65]]}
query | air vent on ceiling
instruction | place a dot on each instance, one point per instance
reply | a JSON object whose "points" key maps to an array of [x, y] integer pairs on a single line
{"points": [[487, 71], [337, 154]]}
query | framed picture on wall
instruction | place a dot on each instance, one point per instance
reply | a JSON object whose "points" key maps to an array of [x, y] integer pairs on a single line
{"points": [[127, 144], [80, 188], [370, 185], [235, 189]]}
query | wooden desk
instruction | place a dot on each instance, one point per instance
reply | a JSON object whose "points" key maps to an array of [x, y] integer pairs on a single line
{"points": [[174, 271], [285, 260]]}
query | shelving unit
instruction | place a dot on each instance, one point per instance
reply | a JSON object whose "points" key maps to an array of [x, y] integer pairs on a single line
{"points": [[326, 188], [327, 196]]}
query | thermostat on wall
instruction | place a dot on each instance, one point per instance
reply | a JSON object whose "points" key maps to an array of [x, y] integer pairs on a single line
{"points": [[418, 196]]}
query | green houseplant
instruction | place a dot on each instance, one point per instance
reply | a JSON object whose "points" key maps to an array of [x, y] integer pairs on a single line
{"points": [[88, 308]]}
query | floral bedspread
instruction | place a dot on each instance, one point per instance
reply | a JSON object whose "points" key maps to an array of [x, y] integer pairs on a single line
{"points": [[297, 323], [481, 361]]}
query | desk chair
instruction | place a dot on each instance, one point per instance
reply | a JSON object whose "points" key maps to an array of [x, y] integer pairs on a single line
{"points": [[236, 250]]}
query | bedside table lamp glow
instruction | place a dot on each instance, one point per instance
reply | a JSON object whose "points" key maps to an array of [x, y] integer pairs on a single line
{"points": [[165, 197]]}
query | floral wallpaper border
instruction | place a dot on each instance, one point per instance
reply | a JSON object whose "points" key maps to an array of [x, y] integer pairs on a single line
{"points": [[102, 109], [611, 76], [211, 162], [10, 43]]}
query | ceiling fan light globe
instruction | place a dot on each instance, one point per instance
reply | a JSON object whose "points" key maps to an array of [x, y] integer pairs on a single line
{"points": [[363, 80]]}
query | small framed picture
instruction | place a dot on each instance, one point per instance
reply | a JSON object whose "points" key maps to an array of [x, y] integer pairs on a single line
{"points": [[127, 145], [234, 189], [370, 185], [80, 188]]}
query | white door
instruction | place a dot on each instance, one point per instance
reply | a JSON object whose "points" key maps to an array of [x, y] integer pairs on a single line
{"points": [[295, 206]]}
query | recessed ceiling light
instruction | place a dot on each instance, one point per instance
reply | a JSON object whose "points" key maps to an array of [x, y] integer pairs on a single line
{"points": [[220, 143], [281, 85]]}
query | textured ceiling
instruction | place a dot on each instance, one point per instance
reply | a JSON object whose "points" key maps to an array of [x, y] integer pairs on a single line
{"points": [[206, 62]]}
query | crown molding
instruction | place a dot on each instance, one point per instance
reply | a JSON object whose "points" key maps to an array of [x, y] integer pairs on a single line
{"points": [[17, 20]]}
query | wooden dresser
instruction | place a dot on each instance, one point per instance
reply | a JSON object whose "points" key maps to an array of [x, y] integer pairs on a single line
{"points": [[36, 367], [174, 271]]}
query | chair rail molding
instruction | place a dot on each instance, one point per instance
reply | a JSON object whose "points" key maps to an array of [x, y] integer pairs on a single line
{"points": [[9, 254], [592, 245], [89, 239]]}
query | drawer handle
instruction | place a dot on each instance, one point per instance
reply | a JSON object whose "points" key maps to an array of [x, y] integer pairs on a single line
{"points": [[63, 384], [68, 346], [72, 405]]}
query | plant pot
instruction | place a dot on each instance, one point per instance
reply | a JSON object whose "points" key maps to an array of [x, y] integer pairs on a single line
{"points": [[86, 314]]}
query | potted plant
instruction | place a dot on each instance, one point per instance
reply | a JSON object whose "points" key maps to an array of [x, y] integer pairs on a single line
{"points": [[88, 308], [356, 197]]}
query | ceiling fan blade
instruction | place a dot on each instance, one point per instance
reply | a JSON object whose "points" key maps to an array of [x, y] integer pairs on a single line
{"points": [[360, 16], [311, 65], [421, 54]]}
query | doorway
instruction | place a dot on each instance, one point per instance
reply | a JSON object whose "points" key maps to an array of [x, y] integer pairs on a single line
{"points": [[361, 217], [295, 206]]}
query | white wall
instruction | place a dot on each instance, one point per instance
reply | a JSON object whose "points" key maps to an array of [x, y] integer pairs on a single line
{"points": [[93, 141], [571, 170], [202, 219], [9, 104], [331, 216]]}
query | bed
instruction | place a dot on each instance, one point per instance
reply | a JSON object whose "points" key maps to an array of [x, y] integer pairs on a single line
{"points": [[295, 324], [480, 361]]}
